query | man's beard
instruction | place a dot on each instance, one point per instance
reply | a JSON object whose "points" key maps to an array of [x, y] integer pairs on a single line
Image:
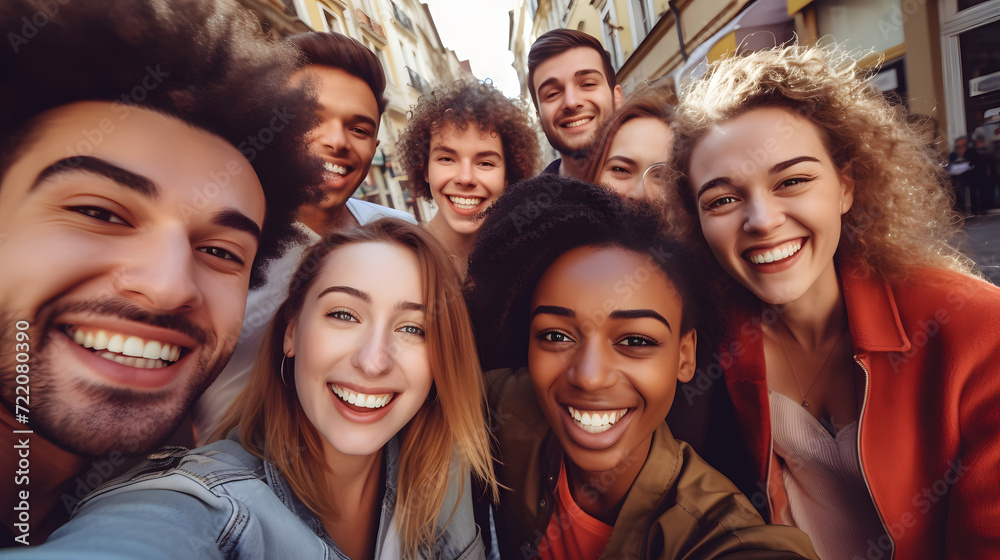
{"points": [[566, 151], [93, 419]]}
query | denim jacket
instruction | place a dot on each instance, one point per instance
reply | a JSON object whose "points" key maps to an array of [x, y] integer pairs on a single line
{"points": [[220, 501]]}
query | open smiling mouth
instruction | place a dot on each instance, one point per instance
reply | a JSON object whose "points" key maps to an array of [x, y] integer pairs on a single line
{"points": [[578, 122], [465, 203], [775, 254], [124, 349], [596, 421], [338, 169], [361, 400]]}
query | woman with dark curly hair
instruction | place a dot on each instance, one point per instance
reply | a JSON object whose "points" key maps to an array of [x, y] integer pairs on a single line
{"points": [[580, 290], [633, 141], [862, 349], [464, 144]]}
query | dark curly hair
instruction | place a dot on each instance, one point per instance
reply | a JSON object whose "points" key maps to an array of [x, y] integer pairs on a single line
{"points": [[459, 104], [204, 62], [530, 226]]}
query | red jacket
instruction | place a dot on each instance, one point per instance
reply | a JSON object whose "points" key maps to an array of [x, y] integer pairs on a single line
{"points": [[929, 431]]}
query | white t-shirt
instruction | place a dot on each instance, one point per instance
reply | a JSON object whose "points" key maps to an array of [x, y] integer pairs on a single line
{"points": [[262, 304]]}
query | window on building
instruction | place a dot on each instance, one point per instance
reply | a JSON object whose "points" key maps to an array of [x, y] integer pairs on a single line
{"points": [[609, 33], [643, 19], [332, 21]]}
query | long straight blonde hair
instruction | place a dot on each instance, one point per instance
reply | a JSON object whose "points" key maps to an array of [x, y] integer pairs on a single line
{"points": [[274, 427]]}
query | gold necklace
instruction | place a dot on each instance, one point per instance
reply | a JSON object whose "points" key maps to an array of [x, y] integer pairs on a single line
{"points": [[805, 403]]}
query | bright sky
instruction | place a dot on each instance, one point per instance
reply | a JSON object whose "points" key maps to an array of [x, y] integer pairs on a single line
{"points": [[477, 30]]}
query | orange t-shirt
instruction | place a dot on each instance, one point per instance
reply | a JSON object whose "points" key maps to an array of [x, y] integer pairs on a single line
{"points": [[572, 534]]}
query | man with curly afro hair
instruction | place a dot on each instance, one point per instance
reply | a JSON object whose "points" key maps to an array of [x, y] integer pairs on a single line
{"points": [[464, 144], [152, 158]]}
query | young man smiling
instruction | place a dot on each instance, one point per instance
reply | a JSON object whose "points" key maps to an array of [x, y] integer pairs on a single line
{"points": [[134, 214], [350, 84], [575, 90]]}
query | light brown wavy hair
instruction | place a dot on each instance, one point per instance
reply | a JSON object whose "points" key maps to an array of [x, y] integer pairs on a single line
{"points": [[274, 427], [902, 214]]}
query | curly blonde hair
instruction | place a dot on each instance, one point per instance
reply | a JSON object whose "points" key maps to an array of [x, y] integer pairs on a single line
{"points": [[902, 214]]}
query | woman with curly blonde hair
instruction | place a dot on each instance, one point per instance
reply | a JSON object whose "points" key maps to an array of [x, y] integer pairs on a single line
{"points": [[862, 350], [464, 143]]}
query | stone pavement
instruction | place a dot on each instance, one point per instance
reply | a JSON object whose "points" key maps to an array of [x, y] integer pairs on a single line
{"points": [[983, 243]]}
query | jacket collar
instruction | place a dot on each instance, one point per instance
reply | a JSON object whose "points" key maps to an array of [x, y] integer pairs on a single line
{"points": [[872, 313], [645, 498]]}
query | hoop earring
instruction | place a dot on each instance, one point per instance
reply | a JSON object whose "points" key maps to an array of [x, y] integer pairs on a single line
{"points": [[282, 370]]}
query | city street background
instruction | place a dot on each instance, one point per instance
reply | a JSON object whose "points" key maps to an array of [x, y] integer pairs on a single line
{"points": [[983, 243]]}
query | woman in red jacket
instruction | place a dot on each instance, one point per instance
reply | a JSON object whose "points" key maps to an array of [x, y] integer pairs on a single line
{"points": [[863, 351]]}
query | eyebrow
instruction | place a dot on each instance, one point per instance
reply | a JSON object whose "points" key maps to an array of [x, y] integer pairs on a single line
{"points": [[366, 119], [577, 74], [623, 159], [781, 166], [237, 220], [776, 168], [487, 153], [363, 296], [639, 314], [553, 310], [367, 298], [97, 166]]}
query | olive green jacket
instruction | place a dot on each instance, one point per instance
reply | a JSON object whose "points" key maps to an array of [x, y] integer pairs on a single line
{"points": [[678, 506]]}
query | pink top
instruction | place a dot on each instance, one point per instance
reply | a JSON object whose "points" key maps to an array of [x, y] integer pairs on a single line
{"points": [[827, 496]]}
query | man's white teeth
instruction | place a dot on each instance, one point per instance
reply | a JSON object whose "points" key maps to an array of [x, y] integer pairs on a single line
{"points": [[126, 346], [339, 169], [577, 123], [777, 254], [597, 421], [141, 363], [465, 203], [361, 399]]}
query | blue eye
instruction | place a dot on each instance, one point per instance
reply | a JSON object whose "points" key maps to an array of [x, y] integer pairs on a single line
{"points": [[342, 315], [412, 329]]}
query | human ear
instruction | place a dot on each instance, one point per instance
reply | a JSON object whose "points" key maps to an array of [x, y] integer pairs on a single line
{"points": [[689, 345], [847, 195], [288, 346], [617, 97]]}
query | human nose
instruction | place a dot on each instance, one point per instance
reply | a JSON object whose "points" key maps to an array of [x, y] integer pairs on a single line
{"points": [[763, 215], [466, 175], [161, 275], [374, 357], [591, 369], [571, 99], [331, 136]]}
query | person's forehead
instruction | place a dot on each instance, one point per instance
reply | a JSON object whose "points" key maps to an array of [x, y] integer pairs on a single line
{"points": [[136, 136], [567, 64]]}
